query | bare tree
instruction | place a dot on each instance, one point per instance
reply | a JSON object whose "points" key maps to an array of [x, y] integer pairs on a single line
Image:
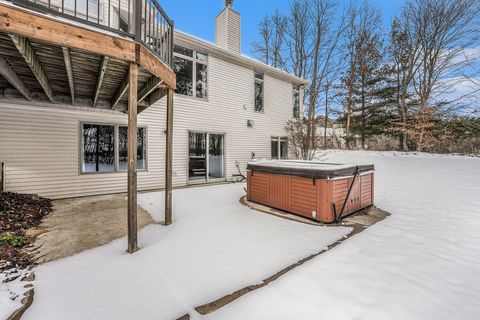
{"points": [[280, 24], [298, 38], [404, 50], [444, 28], [262, 48], [326, 56], [350, 74], [307, 44], [272, 40], [362, 29]]}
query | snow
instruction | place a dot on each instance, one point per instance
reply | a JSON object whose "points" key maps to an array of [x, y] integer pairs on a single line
{"points": [[422, 262], [214, 247], [314, 166], [11, 291]]}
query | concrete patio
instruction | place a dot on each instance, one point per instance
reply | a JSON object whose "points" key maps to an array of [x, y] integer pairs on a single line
{"points": [[80, 224]]}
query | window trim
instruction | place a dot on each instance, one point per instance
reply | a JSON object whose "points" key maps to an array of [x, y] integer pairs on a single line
{"points": [[194, 72], [115, 147], [262, 81]]}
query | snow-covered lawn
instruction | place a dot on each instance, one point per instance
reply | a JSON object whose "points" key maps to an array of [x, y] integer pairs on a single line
{"points": [[423, 262], [214, 247]]}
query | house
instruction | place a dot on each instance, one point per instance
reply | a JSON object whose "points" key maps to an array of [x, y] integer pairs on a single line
{"points": [[334, 132], [228, 108]]}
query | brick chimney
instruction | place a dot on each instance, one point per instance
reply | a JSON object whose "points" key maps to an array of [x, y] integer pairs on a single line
{"points": [[227, 29]]}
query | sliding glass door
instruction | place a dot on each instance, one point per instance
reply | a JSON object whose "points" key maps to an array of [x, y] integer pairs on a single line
{"points": [[216, 159], [197, 166], [206, 156]]}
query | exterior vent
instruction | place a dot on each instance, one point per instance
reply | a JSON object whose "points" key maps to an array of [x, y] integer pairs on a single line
{"points": [[250, 123]]}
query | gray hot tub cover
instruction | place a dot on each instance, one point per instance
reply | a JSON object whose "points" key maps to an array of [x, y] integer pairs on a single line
{"points": [[310, 169]]}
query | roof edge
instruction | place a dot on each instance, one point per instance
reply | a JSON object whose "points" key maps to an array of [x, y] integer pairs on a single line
{"points": [[242, 60]]}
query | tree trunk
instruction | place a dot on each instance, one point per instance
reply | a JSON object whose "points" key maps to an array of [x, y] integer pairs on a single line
{"points": [[363, 128], [347, 132], [363, 114], [404, 134], [325, 122], [420, 141]]}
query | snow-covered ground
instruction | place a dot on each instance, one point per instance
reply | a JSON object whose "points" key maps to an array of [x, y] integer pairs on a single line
{"points": [[214, 247], [12, 290], [423, 262]]}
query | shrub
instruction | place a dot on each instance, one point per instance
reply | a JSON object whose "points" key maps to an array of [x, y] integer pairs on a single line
{"points": [[12, 239]]}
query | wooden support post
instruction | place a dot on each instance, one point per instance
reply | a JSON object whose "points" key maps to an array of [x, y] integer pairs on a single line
{"points": [[9, 74], [169, 158], [101, 74], [132, 158], [67, 57]]}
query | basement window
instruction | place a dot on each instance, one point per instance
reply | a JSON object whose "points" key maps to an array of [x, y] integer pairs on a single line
{"points": [[123, 148], [105, 148], [98, 148], [191, 69]]}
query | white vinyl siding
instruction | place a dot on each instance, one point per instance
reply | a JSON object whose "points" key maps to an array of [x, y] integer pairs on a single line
{"points": [[40, 145], [227, 34], [41, 148]]}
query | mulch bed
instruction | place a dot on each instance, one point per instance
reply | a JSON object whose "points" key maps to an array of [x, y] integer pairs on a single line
{"points": [[18, 213]]}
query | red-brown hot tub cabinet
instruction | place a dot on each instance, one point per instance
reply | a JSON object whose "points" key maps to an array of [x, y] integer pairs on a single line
{"points": [[310, 188]]}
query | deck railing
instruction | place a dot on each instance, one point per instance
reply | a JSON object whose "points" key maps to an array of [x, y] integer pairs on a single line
{"points": [[143, 20]]}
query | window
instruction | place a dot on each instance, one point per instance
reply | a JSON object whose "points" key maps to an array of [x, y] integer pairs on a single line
{"points": [[201, 80], [184, 71], [183, 51], [279, 148], [283, 148], [258, 92], [296, 102], [274, 146], [105, 148], [98, 148], [190, 68], [123, 148]]}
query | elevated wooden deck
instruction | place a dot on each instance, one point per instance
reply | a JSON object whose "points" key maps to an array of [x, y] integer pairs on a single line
{"points": [[41, 53], [116, 56]]}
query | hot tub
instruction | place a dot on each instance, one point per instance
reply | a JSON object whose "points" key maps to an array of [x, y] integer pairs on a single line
{"points": [[316, 190]]}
